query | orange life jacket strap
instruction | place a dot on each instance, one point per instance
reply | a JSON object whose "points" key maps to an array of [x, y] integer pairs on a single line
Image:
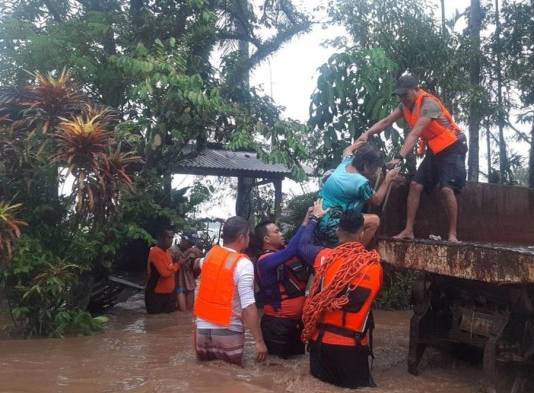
{"points": [[340, 331]]}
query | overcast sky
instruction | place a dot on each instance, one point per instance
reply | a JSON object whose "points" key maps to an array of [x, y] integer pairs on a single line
{"points": [[292, 71]]}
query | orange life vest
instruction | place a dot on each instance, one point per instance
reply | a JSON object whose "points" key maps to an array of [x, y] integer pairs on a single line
{"points": [[161, 271], [435, 135], [285, 296], [322, 257], [349, 325], [217, 287]]}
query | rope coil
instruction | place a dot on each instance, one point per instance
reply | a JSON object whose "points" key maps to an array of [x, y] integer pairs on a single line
{"points": [[355, 260]]}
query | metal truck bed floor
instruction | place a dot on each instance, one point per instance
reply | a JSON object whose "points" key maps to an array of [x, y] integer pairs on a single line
{"points": [[491, 263]]}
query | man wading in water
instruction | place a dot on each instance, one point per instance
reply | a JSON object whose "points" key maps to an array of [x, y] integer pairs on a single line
{"points": [[282, 278], [337, 313], [225, 299], [160, 290], [445, 145]]}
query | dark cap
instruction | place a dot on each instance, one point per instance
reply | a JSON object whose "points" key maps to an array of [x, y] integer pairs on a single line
{"points": [[404, 83]]}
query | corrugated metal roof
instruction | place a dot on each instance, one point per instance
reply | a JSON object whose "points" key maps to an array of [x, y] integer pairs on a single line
{"points": [[232, 161]]}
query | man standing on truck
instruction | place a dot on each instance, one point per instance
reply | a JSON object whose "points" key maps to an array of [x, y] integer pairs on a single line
{"points": [[445, 145]]}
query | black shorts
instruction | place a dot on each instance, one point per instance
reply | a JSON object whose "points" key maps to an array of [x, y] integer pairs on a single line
{"points": [[158, 303], [282, 336], [446, 169], [341, 365]]}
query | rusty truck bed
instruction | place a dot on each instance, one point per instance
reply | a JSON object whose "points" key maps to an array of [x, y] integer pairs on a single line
{"points": [[490, 263]]}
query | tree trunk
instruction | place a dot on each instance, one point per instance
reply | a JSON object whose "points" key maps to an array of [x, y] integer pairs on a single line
{"points": [[475, 21], [531, 158], [488, 148], [443, 28], [167, 190], [244, 201], [277, 198], [242, 73], [504, 166]]}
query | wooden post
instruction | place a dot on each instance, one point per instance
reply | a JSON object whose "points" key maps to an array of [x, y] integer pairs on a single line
{"points": [[277, 198], [243, 206]]}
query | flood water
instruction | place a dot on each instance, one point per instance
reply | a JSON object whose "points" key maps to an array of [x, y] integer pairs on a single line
{"points": [[141, 353]]}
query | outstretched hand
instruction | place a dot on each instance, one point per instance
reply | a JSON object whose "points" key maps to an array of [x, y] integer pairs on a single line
{"points": [[349, 150], [363, 138], [307, 216], [317, 210], [393, 163]]}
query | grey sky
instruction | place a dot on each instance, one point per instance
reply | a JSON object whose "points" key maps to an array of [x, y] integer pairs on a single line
{"points": [[292, 71]]}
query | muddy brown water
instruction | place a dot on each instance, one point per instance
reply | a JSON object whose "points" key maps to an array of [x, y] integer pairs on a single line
{"points": [[153, 354]]}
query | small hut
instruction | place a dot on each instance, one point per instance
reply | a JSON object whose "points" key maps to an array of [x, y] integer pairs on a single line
{"points": [[246, 166]]}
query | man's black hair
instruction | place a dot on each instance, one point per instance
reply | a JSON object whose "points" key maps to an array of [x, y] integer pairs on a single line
{"points": [[367, 156], [351, 221], [233, 227], [260, 231], [162, 231]]}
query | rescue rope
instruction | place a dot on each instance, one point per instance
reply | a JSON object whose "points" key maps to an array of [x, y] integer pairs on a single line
{"points": [[355, 260]]}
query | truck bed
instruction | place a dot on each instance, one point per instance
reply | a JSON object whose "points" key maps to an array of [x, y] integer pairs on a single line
{"points": [[491, 263]]}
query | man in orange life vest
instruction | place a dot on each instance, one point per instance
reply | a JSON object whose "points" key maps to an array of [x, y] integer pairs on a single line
{"points": [[445, 144], [282, 278], [160, 290], [225, 299], [337, 313]]}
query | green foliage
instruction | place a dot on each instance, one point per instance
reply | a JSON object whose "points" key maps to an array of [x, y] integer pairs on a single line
{"points": [[354, 90], [10, 229], [397, 290], [518, 36], [389, 38], [295, 210], [40, 288], [409, 35], [151, 64]]}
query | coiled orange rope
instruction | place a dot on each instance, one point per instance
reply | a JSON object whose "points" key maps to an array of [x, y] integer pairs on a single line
{"points": [[355, 260]]}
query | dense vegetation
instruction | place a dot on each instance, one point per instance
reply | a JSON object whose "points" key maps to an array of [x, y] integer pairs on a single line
{"points": [[98, 98]]}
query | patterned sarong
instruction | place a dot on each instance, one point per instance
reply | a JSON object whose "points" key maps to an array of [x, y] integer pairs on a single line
{"points": [[222, 344]]}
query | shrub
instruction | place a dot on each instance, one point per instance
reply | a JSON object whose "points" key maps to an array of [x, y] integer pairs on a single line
{"points": [[397, 289], [40, 290]]}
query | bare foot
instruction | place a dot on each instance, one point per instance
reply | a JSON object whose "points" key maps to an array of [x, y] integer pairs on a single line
{"points": [[404, 235], [453, 239]]}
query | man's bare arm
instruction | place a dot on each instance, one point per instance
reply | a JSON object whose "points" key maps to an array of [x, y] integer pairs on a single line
{"points": [[381, 125], [380, 194], [349, 150], [251, 319]]}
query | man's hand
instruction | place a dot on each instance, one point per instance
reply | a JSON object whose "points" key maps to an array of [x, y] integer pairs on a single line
{"points": [[393, 163], [307, 216], [392, 174], [359, 143], [349, 150], [363, 138], [193, 252], [317, 209], [261, 351]]}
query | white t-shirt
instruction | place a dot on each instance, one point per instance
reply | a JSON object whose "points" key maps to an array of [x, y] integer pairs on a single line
{"points": [[243, 297]]}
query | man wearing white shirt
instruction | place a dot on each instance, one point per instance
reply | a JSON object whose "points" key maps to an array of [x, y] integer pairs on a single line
{"points": [[225, 305]]}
